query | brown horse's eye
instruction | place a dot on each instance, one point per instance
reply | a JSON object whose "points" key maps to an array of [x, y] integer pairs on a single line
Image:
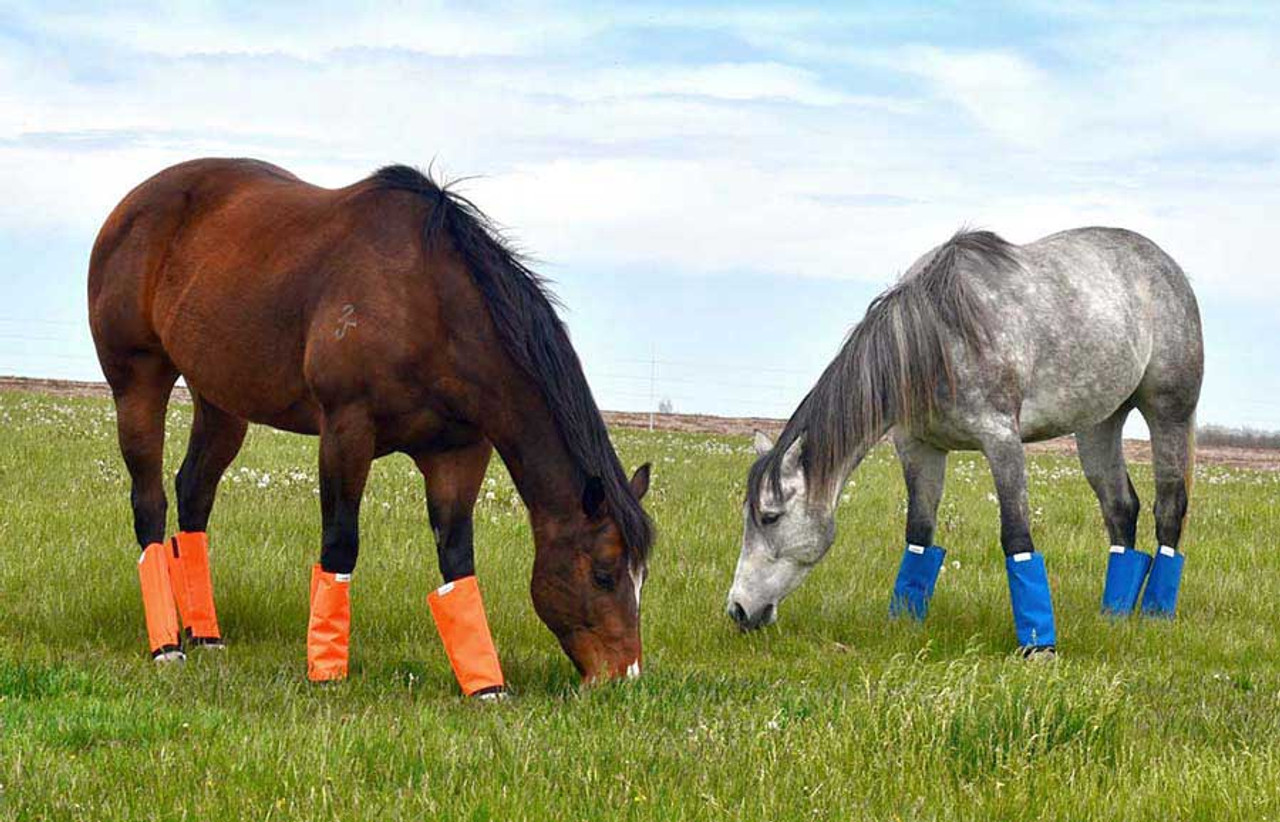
{"points": [[604, 580]]}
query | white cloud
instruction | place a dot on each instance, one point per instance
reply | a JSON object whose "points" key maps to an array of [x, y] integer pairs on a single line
{"points": [[719, 166], [722, 81], [1003, 91], [1116, 95], [313, 30]]}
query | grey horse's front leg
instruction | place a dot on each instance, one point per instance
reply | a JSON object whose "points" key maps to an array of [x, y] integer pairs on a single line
{"points": [[924, 468], [1028, 580]]}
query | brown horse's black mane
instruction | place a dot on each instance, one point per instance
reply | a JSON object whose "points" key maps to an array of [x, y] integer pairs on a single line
{"points": [[523, 311], [892, 367]]}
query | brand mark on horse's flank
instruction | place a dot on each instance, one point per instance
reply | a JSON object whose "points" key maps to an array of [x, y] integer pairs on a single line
{"points": [[346, 320]]}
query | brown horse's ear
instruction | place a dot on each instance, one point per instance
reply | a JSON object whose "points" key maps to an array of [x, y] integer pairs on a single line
{"points": [[640, 481], [593, 498]]}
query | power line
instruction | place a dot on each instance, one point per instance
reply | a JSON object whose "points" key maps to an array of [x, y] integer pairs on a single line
{"points": [[43, 321], [693, 381], [722, 366]]}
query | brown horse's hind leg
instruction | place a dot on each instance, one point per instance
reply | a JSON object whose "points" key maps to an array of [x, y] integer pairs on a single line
{"points": [[140, 385], [216, 437], [347, 442], [453, 481]]}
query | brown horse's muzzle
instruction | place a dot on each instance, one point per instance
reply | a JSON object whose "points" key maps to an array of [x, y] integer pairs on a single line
{"points": [[599, 660]]}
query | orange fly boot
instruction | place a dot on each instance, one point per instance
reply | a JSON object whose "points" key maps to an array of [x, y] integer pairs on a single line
{"points": [[193, 588], [459, 615], [157, 603], [329, 631]]}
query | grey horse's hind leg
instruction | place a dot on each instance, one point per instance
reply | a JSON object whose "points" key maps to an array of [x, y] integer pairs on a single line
{"points": [[1102, 457], [925, 470], [1172, 454], [1172, 457], [1028, 580]]}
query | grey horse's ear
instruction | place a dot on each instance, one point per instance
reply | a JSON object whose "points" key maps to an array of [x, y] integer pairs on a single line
{"points": [[762, 443], [791, 459]]}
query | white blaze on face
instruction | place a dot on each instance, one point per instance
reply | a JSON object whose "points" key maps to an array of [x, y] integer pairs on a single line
{"points": [[637, 583]]}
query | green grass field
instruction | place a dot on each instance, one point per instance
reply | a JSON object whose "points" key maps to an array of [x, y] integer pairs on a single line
{"points": [[833, 713]]}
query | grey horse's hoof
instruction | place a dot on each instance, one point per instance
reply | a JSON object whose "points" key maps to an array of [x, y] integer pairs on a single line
{"points": [[165, 658], [1039, 653], [493, 695]]}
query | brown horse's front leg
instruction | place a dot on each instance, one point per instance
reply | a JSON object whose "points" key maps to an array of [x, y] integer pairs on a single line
{"points": [[346, 452], [453, 480]]}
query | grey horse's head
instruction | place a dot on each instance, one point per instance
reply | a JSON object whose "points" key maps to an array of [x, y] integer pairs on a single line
{"points": [[783, 536]]}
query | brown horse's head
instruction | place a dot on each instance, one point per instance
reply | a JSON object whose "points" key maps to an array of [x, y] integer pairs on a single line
{"points": [[587, 580]]}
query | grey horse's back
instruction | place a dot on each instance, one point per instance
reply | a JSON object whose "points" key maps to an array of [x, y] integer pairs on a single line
{"points": [[1130, 254], [1097, 319], [1167, 304]]}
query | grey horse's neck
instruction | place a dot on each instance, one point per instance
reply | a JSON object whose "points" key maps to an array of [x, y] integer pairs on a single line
{"points": [[893, 366], [831, 496]]}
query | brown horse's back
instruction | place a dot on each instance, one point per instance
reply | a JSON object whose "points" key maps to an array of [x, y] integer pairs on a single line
{"points": [[276, 276]]}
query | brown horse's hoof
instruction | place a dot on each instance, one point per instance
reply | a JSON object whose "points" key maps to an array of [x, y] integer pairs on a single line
{"points": [[498, 694]]}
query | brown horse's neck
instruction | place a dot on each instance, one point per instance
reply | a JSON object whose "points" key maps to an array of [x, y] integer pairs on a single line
{"points": [[544, 473]]}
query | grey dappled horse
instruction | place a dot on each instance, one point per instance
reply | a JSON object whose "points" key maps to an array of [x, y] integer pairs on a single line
{"points": [[984, 345]]}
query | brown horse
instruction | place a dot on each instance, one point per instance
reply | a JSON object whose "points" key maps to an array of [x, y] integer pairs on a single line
{"points": [[387, 316]]}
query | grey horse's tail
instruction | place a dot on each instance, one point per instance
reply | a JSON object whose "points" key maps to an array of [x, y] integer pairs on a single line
{"points": [[1189, 477]]}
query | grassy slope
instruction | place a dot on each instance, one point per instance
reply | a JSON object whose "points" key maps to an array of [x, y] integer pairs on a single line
{"points": [[833, 713]]}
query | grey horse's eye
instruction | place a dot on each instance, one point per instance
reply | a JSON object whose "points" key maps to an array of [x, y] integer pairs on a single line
{"points": [[769, 519]]}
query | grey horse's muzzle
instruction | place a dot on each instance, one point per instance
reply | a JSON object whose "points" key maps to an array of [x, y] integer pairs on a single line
{"points": [[748, 621]]}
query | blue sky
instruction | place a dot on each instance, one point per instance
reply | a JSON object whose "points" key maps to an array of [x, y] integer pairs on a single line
{"points": [[719, 187]]}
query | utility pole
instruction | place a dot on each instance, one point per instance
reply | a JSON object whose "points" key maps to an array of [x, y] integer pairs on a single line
{"points": [[653, 379]]}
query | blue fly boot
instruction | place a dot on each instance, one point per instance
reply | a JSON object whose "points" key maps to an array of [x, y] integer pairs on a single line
{"points": [[1161, 597], [1126, 571], [916, 577], [1032, 602]]}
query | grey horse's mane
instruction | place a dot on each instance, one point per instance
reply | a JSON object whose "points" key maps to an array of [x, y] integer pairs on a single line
{"points": [[892, 367]]}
